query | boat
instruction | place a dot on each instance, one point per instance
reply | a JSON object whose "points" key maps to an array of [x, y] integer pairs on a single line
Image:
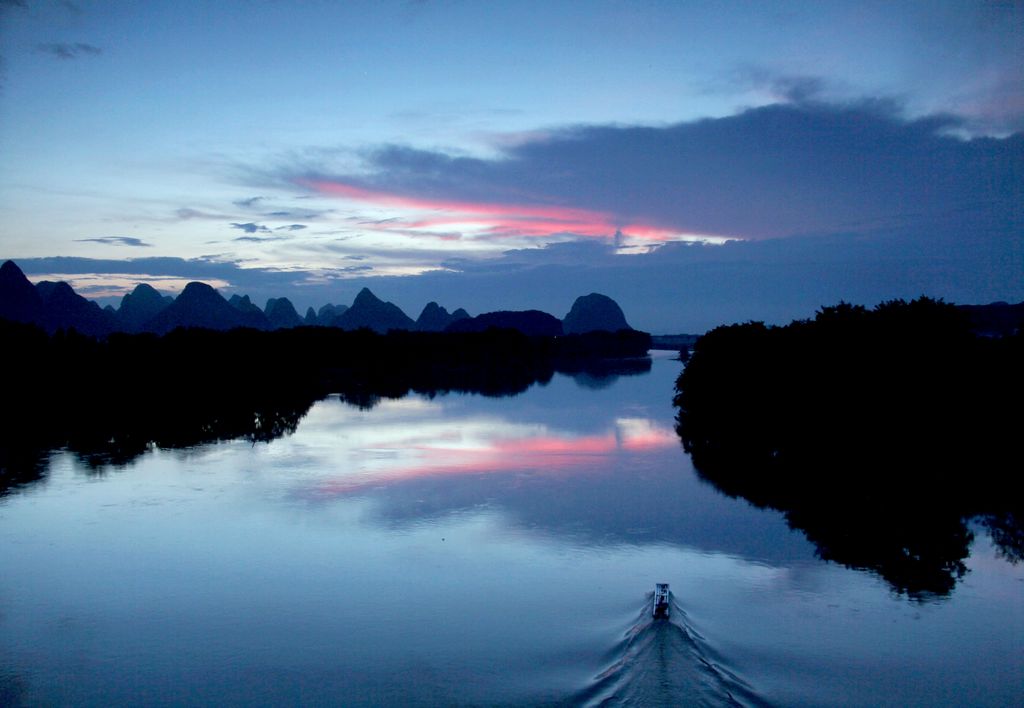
{"points": [[661, 603]]}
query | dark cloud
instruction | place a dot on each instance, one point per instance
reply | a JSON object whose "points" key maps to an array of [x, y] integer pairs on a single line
{"points": [[779, 170], [248, 203], [260, 239], [793, 88], [251, 228], [308, 214], [254, 228], [69, 50], [778, 87], [117, 241]]}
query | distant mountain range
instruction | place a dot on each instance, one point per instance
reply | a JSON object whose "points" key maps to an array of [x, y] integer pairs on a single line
{"points": [[55, 306]]}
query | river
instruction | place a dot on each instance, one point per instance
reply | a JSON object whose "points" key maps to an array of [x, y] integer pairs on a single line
{"points": [[465, 550]]}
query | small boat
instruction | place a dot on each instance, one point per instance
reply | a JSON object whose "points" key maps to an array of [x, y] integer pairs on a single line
{"points": [[661, 604]]}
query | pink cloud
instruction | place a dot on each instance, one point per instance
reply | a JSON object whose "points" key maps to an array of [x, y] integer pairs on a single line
{"points": [[491, 219]]}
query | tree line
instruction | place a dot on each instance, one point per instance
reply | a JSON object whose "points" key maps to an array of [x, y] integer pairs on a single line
{"points": [[881, 433], [110, 399]]}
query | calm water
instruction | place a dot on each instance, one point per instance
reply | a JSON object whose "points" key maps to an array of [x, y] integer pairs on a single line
{"points": [[465, 550]]}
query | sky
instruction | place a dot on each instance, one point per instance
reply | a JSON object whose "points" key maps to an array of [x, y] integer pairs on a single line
{"points": [[700, 162]]}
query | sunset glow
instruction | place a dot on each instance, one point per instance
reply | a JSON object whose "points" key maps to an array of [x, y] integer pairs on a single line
{"points": [[754, 171], [492, 220]]}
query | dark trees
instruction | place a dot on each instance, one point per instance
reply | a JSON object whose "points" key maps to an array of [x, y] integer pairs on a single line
{"points": [[879, 432]]}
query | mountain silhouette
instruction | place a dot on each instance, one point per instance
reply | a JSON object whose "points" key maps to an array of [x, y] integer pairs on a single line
{"points": [[199, 305], [55, 306], [140, 306], [326, 315], [243, 303], [594, 313], [66, 309], [435, 318], [19, 299], [369, 311], [281, 313], [533, 323]]}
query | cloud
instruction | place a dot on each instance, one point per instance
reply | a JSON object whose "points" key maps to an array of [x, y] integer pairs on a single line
{"points": [[258, 239], [678, 287], [308, 214], [69, 50], [833, 202], [483, 219], [117, 241], [274, 281], [254, 228], [692, 287], [779, 170], [187, 213], [786, 88], [305, 287], [251, 228], [247, 203]]}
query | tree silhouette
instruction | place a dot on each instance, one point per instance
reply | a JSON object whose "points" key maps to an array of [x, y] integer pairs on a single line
{"points": [[879, 433], [110, 400]]}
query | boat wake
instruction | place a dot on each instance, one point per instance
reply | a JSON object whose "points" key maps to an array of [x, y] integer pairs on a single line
{"points": [[665, 662]]}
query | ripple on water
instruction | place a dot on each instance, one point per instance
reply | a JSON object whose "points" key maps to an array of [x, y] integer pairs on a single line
{"points": [[666, 662]]}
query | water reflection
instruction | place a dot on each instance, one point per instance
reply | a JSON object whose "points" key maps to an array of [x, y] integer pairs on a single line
{"points": [[112, 432], [485, 447], [612, 474], [460, 550]]}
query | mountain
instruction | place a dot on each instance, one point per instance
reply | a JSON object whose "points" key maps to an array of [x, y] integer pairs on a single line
{"points": [[140, 306], [594, 313], [199, 305], [19, 299], [435, 318], [56, 305], [243, 303], [326, 315], [66, 309], [370, 311], [533, 323], [281, 313]]}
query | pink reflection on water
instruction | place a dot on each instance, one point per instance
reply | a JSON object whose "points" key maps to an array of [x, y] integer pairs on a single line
{"points": [[494, 451]]}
